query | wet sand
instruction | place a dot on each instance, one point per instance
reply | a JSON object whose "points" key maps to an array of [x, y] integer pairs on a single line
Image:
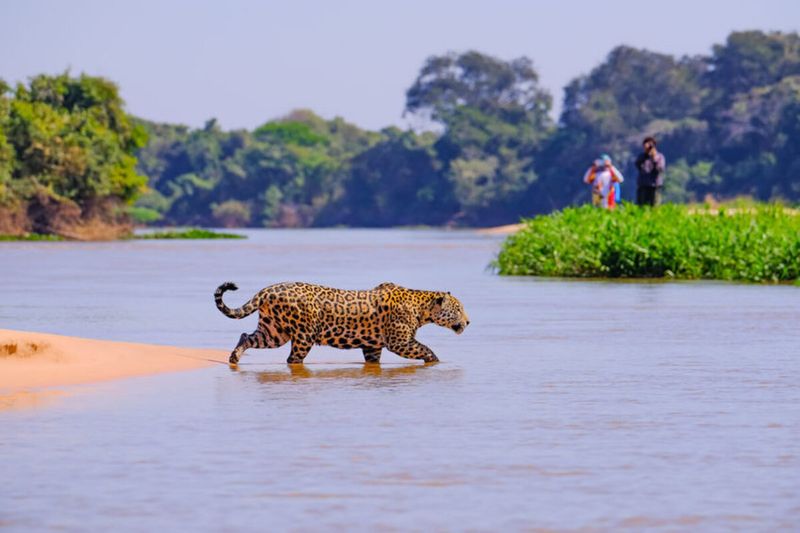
{"points": [[35, 367]]}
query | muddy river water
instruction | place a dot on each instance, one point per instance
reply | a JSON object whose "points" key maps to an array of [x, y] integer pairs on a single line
{"points": [[565, 404]]}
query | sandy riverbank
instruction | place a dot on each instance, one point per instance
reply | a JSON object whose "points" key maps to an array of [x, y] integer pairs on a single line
{"points": [[508, 229], [37, 366]]}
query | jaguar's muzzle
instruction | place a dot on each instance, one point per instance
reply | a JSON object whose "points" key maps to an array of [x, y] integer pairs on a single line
{"points": [[459, 328]]}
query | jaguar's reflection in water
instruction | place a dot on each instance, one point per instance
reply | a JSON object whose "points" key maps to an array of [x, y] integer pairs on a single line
{"points": [[380, 374]]}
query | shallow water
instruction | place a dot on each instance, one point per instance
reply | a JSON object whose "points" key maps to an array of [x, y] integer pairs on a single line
{"points": [[565, 404]]}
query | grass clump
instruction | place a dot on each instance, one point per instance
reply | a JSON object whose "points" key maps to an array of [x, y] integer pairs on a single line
{"points": [[191, 233], [760, 244], [31, 237]]}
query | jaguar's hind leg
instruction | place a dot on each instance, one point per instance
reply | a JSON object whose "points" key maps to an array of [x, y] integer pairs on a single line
{"points": [[257, 339], [372, 355], [299, 352], [245, 341]]}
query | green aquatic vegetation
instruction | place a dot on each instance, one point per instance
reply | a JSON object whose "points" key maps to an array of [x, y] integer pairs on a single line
{"points": [[759, 243], [192, 233], [31, 237]]}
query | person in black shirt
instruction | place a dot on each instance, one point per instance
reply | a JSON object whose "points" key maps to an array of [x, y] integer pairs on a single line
{"points": [[651, 165]]}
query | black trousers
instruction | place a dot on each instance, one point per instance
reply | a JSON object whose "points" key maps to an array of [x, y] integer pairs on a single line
{"points": [[648, 195]]}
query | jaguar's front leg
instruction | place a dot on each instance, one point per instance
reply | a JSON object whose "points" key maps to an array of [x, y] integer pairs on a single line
{"points": [[403, 343]]}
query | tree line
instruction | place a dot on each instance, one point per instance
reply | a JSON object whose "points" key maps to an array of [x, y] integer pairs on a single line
{"points": [[728, 123]]}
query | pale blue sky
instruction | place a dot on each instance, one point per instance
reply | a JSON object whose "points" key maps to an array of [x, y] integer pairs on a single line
{"points": [[245, 61]]}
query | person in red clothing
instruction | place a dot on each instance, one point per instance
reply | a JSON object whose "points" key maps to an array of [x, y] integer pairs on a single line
{"points": [[604, 178]]}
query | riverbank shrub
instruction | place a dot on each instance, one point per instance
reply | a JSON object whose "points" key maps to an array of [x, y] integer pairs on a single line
{"points": [[759, 244]]}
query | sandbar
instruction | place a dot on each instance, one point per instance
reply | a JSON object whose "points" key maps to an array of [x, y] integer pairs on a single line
{"points": [[35, 366]]}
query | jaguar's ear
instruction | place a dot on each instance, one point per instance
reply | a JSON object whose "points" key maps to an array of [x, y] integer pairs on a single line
{"points": [[437, 303]]}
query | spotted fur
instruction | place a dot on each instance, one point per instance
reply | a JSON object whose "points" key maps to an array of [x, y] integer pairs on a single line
{"points": [[387, 316]]}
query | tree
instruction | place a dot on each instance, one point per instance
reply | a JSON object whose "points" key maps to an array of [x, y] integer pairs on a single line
{"points": [[494, 116], [489, 162], [73, 139], [788, 153], [751, 59], [67, 158], [631, 89], [753, 137], [394, 182], [7, 155], [490, 85], [231, 213]]}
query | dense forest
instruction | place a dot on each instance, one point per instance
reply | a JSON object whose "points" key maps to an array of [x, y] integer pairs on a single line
{"points": [[728, 123]]}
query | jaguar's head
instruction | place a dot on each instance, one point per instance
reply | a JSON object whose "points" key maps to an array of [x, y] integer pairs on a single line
{"points": [[447, 311]]}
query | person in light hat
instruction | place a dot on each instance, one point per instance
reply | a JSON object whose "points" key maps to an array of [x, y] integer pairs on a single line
{"points": [[604, 178]]}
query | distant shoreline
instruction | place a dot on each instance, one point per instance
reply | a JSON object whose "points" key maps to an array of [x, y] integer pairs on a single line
{"points": [[158, 232], [35, 367], [507, 229], [201, 233], [155, 234]]}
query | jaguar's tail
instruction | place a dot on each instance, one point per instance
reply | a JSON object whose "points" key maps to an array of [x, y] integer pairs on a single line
{"points": [[240, 312]]}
